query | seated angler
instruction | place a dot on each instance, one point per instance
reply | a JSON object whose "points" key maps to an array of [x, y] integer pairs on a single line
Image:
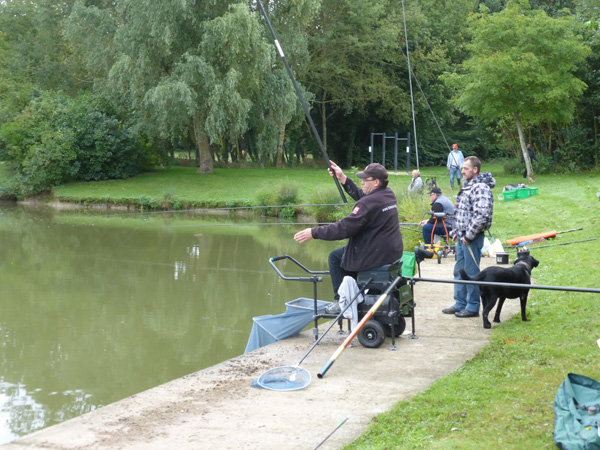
{"points": [[439, 204], [372, 228]]}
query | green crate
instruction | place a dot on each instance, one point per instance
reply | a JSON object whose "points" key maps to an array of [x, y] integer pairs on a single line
{"points": [[523, 193], [533, 191], [509, 195]]}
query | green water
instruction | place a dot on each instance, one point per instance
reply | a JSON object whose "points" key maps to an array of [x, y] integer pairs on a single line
{"points": [[97, 307]]}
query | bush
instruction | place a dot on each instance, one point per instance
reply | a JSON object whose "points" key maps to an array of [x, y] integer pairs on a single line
{"points": [[412, 209], [57, 139], [514, 166], [324, 211], [284, 194]]}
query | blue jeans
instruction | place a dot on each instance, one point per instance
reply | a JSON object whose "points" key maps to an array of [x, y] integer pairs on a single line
{"points": [[455, 173], [439, 230], [467, 296], [336, 271]]}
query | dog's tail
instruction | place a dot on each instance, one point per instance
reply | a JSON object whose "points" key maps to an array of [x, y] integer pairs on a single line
{"points": [[464, 276]]}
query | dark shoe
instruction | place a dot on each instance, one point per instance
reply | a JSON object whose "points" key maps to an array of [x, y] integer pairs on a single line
{"points": [[451, 310], [466, 313], [333, 309]]}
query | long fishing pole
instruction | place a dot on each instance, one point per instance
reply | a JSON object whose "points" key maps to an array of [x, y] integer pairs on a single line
{"points": [[361, 324], [330, 434], [534, 247], [412, 102], [509, 285], [299, 94], [333, 322]]}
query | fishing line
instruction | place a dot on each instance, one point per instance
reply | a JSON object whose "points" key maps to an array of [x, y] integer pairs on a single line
{"points": [[299, 94], [225, 208], [412, 102], [428, 105]]}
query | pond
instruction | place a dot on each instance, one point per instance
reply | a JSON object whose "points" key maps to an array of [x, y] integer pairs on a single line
{"points": [[98, 306]]}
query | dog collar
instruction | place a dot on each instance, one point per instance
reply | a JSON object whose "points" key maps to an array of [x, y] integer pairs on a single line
{"points": [[525, 264]]}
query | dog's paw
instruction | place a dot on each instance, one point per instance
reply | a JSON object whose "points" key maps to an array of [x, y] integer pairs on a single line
{"points": [[526, 320], [496, 319], [487, 325]]}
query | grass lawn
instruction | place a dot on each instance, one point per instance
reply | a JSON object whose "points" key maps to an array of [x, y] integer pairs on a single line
{"points": [[503, 397]]}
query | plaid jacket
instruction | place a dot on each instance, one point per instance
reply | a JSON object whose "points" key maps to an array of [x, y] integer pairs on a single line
{"points": [[474, 207]]}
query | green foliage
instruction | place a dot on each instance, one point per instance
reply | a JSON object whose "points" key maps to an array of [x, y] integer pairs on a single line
{"points": [[324, 211], [58, 140], [284, 194], [412, 209], [544, 166], [522, 62]]}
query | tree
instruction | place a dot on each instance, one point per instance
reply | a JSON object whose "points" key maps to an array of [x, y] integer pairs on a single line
{"points": [[58, 139], [521, 67], [185, 67], [354, 58]]}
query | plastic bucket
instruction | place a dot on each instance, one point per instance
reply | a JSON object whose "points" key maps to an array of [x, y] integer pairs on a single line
{"points": [[523, 193], [533, 191], [509, 195], [501, 258]]}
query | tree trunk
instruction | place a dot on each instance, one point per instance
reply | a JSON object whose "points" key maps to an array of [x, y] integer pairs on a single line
{"points": [[524, 151], [279, 156], [204, 157]]}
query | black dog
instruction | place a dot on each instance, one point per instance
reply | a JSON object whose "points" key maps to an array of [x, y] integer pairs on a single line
{"points": [[430, 183], [519, 273]]}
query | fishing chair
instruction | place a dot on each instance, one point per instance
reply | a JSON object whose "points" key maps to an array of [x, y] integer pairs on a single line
{"points": [[439, 217]]}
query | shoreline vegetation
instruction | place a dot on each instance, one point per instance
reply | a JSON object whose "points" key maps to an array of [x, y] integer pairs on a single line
{"points": [[503, 397]]}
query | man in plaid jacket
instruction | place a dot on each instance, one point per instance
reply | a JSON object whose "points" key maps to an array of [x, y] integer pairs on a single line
{"points": [[472, 217]]}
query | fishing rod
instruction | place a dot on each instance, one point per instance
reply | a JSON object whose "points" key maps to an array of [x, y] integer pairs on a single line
{"points": [[299, 94], [361, 324], [534, 247], [412, 101], [508, 285], [330, 434], [428, 104]]}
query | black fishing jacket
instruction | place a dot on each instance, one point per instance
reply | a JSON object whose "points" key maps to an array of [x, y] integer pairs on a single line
{"points": [[372, 229]]}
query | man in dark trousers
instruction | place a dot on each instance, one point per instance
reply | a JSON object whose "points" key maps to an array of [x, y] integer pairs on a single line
{"points": [[439, 204], [532, 158], [372, 228]]}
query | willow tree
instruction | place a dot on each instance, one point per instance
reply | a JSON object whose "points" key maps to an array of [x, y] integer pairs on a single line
{"points": [[184, 66], [522, 67]]}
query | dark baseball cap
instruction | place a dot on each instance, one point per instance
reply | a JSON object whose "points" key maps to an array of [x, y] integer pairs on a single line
{"points": [[435, 190], [374, 170]]}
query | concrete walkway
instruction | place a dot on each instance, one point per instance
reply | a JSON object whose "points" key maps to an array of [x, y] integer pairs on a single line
{"points": [[217, 408]]}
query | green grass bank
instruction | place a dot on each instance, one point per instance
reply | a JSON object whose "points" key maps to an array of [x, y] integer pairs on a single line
{"points": [[503, 397]]}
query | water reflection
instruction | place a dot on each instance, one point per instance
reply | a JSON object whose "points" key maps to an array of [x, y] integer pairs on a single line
{"points": [[96, 308]]}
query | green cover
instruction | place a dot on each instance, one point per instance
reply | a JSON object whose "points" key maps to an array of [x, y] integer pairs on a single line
{"points": [[574, 427], [408, 265]]}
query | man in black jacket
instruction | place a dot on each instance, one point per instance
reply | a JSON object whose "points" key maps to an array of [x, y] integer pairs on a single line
{"points": [[372, 228]]}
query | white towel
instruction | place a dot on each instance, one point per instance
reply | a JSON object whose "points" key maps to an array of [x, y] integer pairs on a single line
{"points": [[347, 291]]}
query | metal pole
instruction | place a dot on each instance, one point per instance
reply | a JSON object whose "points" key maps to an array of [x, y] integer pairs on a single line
{"points": [[510, 285], [383, 157], [371, 149], [299, 94]]}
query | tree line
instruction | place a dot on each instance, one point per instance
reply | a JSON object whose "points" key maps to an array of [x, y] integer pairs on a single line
{"points": [[98, 89]]}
